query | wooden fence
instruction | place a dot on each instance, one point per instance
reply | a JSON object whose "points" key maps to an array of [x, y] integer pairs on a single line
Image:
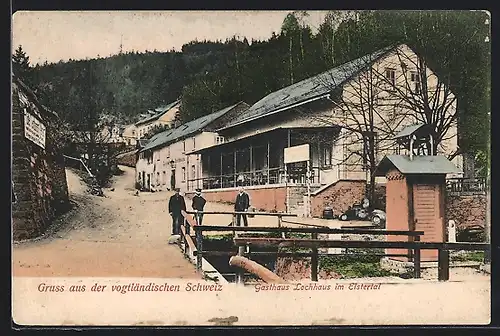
{"points": [[414, 247]]}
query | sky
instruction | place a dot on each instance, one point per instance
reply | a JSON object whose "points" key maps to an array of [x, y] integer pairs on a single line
{"points": [[60, 35]]}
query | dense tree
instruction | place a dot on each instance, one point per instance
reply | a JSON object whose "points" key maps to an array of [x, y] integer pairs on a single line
{"points": [[22, 67], [210, 75]]}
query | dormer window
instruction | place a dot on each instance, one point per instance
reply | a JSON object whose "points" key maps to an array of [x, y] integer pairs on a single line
{"points": [[219, 140]]}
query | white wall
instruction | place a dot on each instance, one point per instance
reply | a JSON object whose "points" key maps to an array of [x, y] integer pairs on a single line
{"points": [[175, 157]]}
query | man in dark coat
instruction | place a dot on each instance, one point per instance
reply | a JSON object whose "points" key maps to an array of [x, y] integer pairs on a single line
{"points": [[175, 205], [198, 205], [242, 204]]}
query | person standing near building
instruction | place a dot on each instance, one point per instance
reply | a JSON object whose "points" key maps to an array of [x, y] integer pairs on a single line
{"points": [[198, 205], [241, 204], [175, 205]]}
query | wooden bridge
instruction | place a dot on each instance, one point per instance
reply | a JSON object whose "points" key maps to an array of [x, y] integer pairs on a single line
{"points": [[412, 243]]}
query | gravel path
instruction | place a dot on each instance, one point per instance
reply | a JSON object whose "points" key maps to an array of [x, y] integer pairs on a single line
{"points": [[118, 235]]}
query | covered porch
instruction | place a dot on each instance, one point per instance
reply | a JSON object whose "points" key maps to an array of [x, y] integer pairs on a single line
{"points": [[258, 160]]}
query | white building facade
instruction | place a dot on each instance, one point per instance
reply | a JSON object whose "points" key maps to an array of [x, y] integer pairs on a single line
{"points": [[167, 163]]}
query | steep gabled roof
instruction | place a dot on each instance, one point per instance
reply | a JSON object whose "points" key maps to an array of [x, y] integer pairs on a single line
{"points": [[160, 112], [172, 135], [310, 88]]}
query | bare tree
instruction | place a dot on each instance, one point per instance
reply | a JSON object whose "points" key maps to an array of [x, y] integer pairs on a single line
{"points": [[379, 101], [428, 98]]}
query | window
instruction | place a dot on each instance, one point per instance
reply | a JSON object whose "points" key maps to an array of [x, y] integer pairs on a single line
{"points": [[415, 79], [390, 74], [164, 177], [194, 143], [158, 178], [326, 155], [184, 146], [183, 174], [133, 132], [193, 171], [219, 140]]}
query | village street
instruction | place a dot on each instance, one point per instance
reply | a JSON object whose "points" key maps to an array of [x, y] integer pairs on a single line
{"points": [[117, 235]]}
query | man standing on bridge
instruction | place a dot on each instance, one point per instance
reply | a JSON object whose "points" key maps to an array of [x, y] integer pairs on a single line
{"points": [[198, 205], [241, 204], [175, 205]]}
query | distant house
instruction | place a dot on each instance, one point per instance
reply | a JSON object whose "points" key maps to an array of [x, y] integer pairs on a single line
{"points": [[130, 135], [164, 162], [308, 112], [113, 134], [163, 116]]}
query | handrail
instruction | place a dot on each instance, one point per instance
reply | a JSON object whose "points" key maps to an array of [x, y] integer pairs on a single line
{"points": [[81, 161], [188, 218], [361, 243], [414, 244], [250, 213], [307, 230], [189, 241]]}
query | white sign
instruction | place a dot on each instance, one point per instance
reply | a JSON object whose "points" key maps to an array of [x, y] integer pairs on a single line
{"points": [[297, 153], [34, 130]]}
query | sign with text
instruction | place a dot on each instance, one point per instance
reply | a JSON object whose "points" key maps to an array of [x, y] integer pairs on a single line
{"points": [[34, 129], [297, 153]]}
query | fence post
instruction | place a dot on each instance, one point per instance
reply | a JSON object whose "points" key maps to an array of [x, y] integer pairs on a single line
{"points": [[314, 260], [199, 248], [416, 258], [188, 229], [443, 265]]}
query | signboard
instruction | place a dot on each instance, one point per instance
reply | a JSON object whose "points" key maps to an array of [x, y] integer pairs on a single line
{"points": [[297, 153], [34, 129]]}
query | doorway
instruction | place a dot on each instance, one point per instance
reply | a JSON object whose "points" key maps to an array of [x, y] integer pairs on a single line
{"points": [[172, 179]]}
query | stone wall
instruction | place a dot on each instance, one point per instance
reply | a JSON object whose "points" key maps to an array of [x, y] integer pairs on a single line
{"points": [[38, 174], [466, 210], [339, 196]]}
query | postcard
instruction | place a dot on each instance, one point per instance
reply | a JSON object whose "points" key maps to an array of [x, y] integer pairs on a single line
{"points": [[250, 168]]}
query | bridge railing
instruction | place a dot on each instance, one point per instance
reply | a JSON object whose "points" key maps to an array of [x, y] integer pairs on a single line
{"points": [[412, 243]]}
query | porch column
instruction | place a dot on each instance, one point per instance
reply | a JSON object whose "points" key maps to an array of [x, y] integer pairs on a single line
{"points": [[234, 168], [289, 137], [220, 170], [199, 180], [268, 149], [251, 165]]}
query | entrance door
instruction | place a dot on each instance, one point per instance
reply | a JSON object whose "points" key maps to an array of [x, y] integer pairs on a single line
{"points": [[172, 179], [427, 216]]}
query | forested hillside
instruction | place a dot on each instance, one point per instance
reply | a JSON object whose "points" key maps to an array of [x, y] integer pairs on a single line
{"points": [[209, 75]]}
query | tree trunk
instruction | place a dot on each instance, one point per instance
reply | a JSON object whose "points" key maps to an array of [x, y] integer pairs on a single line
{"points": [[254, 268], [469, 166], [291, 61]]}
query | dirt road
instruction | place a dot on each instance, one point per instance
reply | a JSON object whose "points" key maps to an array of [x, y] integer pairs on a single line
{"points": [[120, 235]]}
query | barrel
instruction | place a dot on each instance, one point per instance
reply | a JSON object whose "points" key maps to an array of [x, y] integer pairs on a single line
{"points": [[328, 213]]}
